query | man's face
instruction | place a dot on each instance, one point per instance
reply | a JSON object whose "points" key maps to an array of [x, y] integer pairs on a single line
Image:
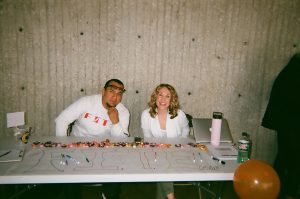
{"points": [[112, 95]]}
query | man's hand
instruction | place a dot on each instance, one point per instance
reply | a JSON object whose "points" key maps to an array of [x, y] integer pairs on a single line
{"points": [[113, 115]]}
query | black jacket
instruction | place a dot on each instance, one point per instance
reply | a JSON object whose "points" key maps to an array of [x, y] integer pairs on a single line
{"points": [[283, 109]]}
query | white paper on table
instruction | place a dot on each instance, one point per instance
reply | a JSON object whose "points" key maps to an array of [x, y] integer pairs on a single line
{"points": [[15, 119], [223, 152], [11, 155]]}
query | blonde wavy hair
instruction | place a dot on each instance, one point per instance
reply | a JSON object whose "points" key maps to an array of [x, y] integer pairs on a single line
{"points": [[174, 102]]}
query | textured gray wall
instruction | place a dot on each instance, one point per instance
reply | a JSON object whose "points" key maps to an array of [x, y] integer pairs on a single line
{"points": [[220, 55]]}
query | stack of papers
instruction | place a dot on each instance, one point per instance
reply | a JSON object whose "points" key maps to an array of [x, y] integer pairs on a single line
{"points": [[223, 152], [11, 155]]}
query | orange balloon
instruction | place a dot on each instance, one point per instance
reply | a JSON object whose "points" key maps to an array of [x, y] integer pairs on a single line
{"points": [[255, 179]]}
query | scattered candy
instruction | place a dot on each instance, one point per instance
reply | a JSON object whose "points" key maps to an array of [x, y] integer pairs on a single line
{"points": [[108, 144]]}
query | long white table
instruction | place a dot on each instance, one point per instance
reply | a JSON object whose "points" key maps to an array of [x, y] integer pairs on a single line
{"points": [[111, 164]]}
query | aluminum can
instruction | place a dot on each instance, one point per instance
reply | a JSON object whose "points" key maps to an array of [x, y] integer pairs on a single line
{"points": [[243, 151]]}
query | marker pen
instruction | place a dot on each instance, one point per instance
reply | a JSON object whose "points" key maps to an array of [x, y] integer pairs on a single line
{"points": [[217, 159]]}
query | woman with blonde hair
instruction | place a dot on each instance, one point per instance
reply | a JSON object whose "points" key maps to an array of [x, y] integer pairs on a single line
{"points": [[164, 119]]}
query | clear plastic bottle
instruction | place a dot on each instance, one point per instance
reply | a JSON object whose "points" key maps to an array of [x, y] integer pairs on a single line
{"points": [[244, 148]]}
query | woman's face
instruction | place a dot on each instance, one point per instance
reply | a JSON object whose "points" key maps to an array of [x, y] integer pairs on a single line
{"points": [[163, 99]]}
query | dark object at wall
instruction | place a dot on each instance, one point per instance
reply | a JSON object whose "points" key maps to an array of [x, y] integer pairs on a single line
{"points": [[284, 104], [283, 115]]}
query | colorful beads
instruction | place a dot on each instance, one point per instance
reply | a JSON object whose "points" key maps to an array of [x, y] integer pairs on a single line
{"points": [[107, 144]]}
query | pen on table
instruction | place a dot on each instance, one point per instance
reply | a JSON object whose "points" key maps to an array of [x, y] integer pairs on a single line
{"points": [[21, 153], [5, 153], [200, 157], [220, 161], [87, 159], [71, 158], [64, 162]]}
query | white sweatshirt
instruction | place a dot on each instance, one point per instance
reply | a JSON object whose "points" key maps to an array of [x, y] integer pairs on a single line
{"points": [[176, 127], [92, 119]]}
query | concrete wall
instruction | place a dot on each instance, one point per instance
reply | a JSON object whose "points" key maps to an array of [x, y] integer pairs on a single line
{"points": [[220, 55]]}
